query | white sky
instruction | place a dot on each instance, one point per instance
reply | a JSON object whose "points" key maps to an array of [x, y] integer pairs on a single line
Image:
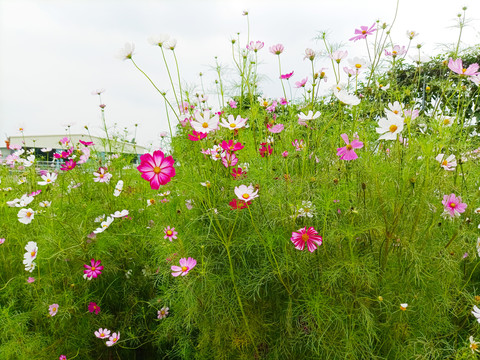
{"points": [[55, 53]]}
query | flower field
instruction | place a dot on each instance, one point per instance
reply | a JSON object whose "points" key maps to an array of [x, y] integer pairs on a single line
{"points": [[341, 223]]}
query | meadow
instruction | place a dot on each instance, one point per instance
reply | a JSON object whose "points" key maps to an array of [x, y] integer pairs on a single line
{"points": [[337, 225]]}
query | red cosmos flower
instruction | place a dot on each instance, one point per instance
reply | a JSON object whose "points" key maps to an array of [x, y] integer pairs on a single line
{"points": [[157, 169], [196, 136], [93, 307], [263, 150], [236, 204], [86, 143], [238, 173], [68, 165], [229, 146]]}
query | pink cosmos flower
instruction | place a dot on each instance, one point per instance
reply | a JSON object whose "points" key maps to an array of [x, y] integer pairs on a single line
{"points": [[236, 204], [102, 333], [68, 165], [196, 136], [348, 152], [286, 76], [229, 160], [30, 279], [62, 357], [272, 107], [255, 45], [170, 233], [64, 154], [65, 141], [86, 143], [162, 313], [363, 32], [230, 146], [276, 49], [52, 309], [283, 101], [309, 237], [93, 307], [113, 339], [85, 156], [185, 266], [101, 175], [453, 205], [457, 67], [94, 269], [299, 145], [157, 169], [275, 129], [396, 51], [285, 154], [301, 83], [232, 104]]}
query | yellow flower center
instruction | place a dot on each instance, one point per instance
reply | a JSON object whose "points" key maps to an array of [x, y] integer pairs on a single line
{"points": [[393, 128], [446, 122], [184, 268], [349, 147], [156, 170], [114, 340], [54, 309], [473, 346], [265, 103], [233, 125], [29, 213], [48, 180], [245, 196], [453, 205], [93, 268], [205, 125], [444, 162], [463, 70], [394, 52], [364, 32], [32, 254], [305, 237], [395, 112], [402, 308], [162, 312], [169, 232], [358, 66]]}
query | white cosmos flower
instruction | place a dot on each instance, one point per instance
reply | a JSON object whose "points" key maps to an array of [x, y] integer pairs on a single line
{"points": [[345, 97], [29, 266], [390, 127], [302, 118], [395, 108], [25, 216], [31, 251], [233, 123], [126, 52], [48, 178], [446, 120], [119, 214], [450, 163], [100, 218], [246, 193], [205, 123], [158, 40], [118, 188], [170, 44], [45, 203], [45, 149], [476, 312], [104, 225], [28, 161]]}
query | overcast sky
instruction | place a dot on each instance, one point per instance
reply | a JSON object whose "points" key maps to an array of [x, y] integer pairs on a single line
{"points": [[54, 53]]}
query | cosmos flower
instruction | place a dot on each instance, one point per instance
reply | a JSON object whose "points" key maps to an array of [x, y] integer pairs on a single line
{"points": [[286, 76], [185, 266], [204, 123], [233, 123], [473, 345], [348, 152], [94, 269], [453, 205], [255, 45], [49, 178], [170, 233], [197, 136], [338, 55], [363, 32], [118, 188], [25, 216], [389, 127], [157, 169], [449, 163], [301, 83], [309, 237], [102, 175], [102, 333], [93, 307], [457, 67], [344, 97], [104, 225], [53, 309], [68, 165], [276, 49], [162, 313], [403, 307], [126, 52], [246, 193], [112, 340], [302, 118]]}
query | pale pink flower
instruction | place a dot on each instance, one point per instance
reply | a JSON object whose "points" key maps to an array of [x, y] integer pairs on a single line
{"points": [[396, 51], [276, 49], [449, 163], [338, 55], [453, 205], [348, 152], [162, 313], [52, 309], [457, 67], [102, 175], [185, 266], [299, 145], [2, 240], [301, 83], [309, 54], [30, 279], [275, 129], [255, 46], [229, 159], [102, 333], [113, 339]]}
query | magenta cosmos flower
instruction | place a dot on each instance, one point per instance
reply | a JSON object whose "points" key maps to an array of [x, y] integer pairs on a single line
{"points": [[68, 165], [94, 269], [93, 307], [363, 32], [286, 76], [453, 205], [457, 67], [348, 152], [170, 233], [185, 266], [157, 169], [309, 237]]}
